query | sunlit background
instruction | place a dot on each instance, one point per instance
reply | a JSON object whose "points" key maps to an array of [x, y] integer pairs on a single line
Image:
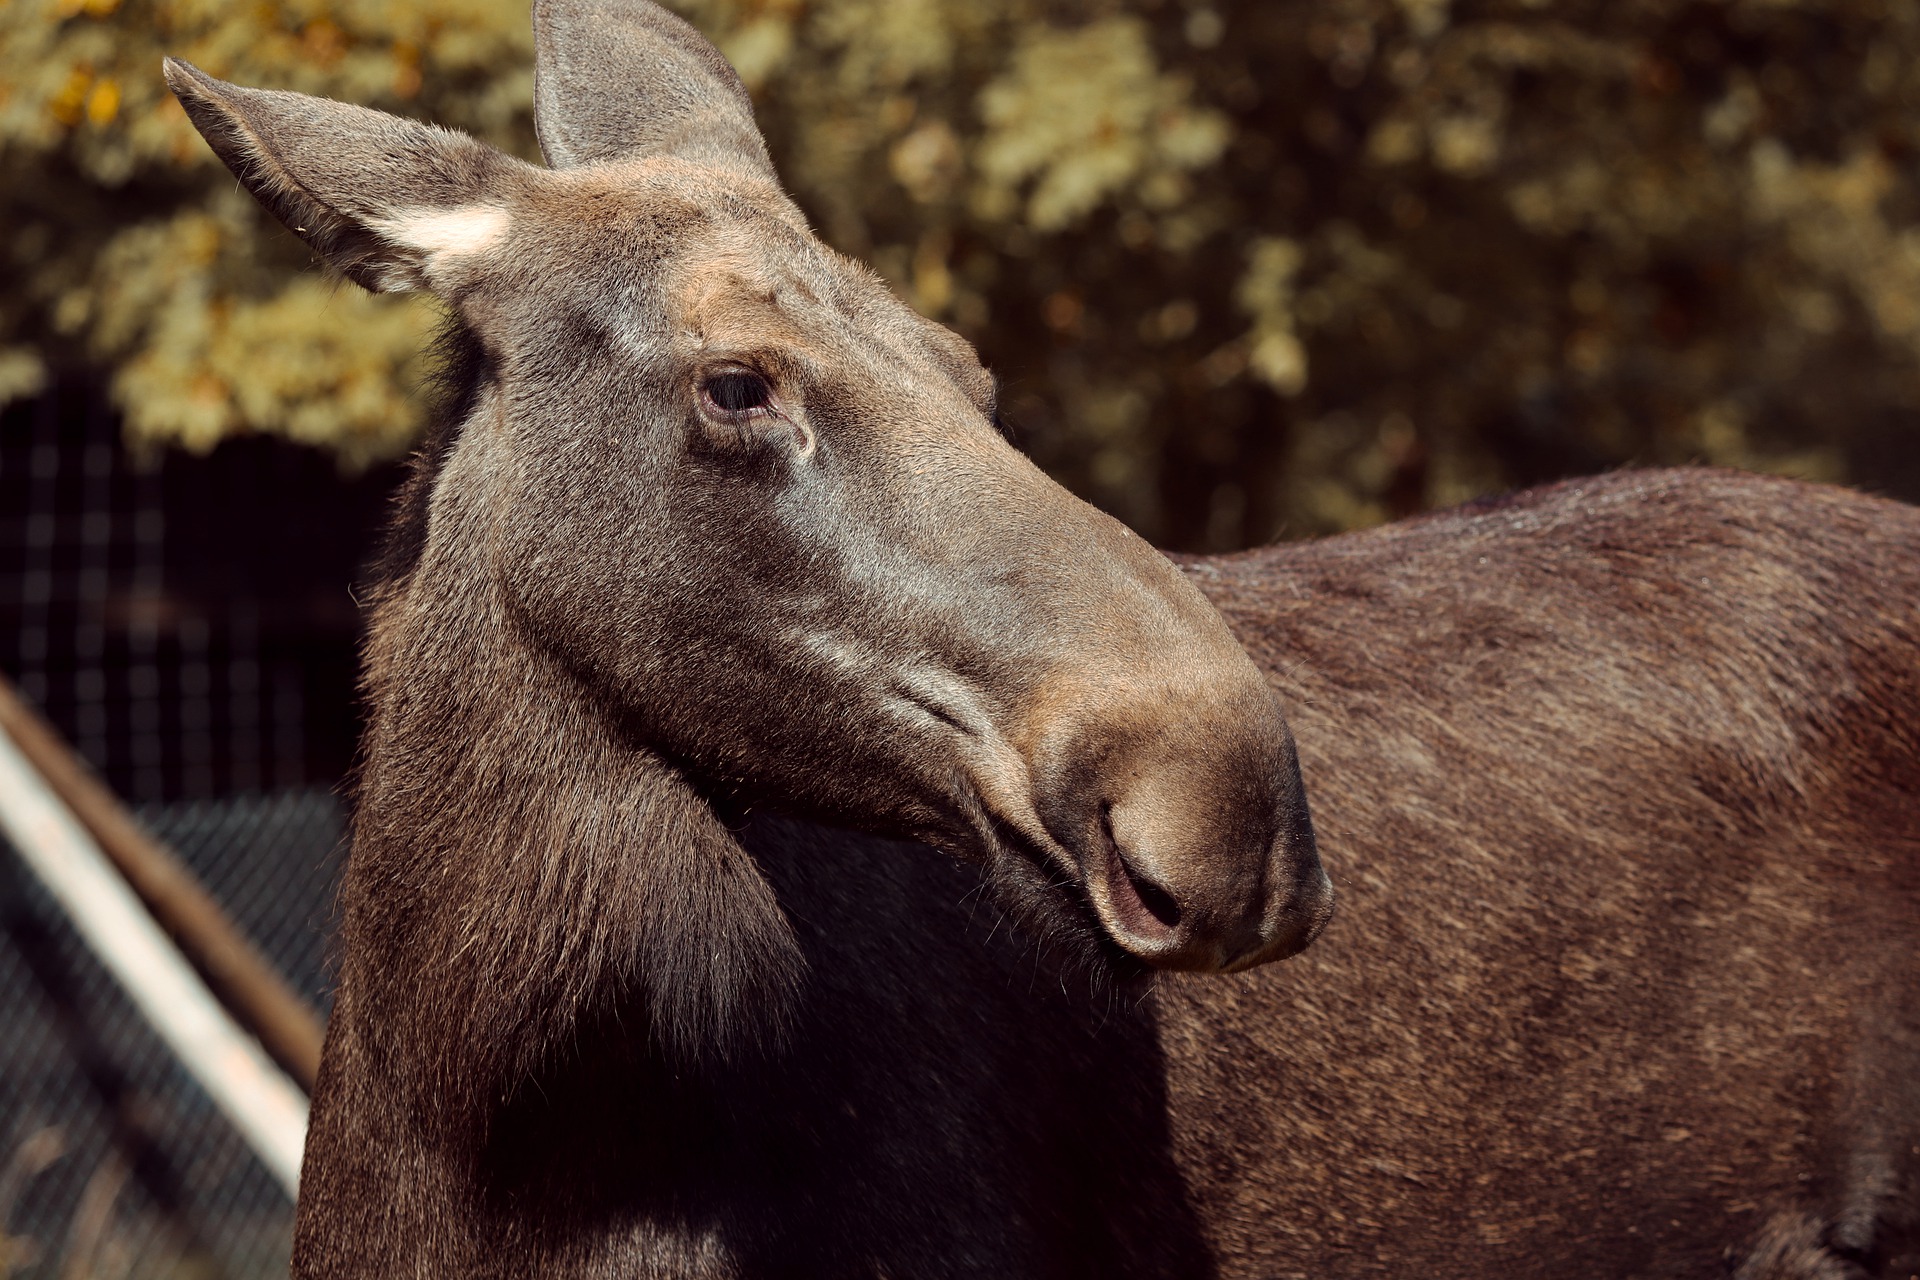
{"points": [[1248, 270]]}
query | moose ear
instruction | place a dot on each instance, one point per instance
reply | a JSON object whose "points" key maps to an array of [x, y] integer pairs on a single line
{"points": [[616, 78], [394, 204]]}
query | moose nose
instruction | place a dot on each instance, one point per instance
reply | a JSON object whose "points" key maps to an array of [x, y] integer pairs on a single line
{"points": [[1193, 837]]}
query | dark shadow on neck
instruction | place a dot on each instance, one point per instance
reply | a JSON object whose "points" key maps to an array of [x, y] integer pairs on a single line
{"points": [[951, 1101]]}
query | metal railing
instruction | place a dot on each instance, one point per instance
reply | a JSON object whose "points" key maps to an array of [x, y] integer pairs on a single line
{"points": [[143, 1129]]}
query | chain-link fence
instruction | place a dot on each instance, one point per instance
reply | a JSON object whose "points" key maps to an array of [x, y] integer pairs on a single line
{"points": [[112, 1161], [186, 624]]}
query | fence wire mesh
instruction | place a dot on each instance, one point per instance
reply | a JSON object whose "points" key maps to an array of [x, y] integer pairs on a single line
{"points": [[113, 1162], [186, 623]]}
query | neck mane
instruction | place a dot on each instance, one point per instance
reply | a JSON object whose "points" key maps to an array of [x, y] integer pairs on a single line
{"points": [[524, 875]]}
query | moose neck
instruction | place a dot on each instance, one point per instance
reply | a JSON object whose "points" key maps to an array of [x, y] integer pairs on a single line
{"points": [[522, 869]]}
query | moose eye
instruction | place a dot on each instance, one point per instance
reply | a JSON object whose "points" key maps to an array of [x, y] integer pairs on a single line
{"points": [[738, 410], [738, 392]]}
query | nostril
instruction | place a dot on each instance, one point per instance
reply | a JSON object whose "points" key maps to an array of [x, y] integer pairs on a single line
{"points": [[1158, 902], [1148, 901]]}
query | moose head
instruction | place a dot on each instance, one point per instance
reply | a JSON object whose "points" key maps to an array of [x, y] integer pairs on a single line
{"points": [[719, 503]]}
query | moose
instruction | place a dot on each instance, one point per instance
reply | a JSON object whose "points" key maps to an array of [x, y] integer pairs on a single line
{"points": [[716, 610]]}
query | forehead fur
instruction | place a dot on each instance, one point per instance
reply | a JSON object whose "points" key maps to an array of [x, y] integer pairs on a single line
{"points": [[726, 262], [658, 217]]}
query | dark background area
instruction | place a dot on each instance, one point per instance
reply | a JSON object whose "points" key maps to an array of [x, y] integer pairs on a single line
{"points": [[187, 621]]}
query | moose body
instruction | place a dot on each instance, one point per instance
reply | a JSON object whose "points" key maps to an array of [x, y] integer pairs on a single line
{"points": [[1622, 782], [715, 590], [1623, 786]]}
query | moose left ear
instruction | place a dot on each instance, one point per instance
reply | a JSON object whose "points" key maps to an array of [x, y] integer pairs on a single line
{"points": [[615, 78], [393, 203]]}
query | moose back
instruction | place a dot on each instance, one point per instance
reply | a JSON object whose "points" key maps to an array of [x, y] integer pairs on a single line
{"points": [[715, 595]]}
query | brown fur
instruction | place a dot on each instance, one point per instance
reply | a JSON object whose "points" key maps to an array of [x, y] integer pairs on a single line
{"points": [[1619, 777], [1622, 783]]}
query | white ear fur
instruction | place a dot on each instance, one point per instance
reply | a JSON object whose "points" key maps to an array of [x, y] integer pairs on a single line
{"points": [[440, 239]]}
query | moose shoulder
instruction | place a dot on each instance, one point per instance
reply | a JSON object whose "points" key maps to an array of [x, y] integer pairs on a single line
{"points": [[716, 592]]}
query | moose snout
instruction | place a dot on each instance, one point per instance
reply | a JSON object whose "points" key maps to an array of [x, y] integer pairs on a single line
{"points": [[1192, 833]]}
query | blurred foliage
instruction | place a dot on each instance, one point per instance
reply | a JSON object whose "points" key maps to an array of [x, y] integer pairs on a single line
{"points": [[1247, 269]]}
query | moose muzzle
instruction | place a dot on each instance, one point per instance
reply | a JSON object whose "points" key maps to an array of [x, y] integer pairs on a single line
{"points": [[1183, 805]]}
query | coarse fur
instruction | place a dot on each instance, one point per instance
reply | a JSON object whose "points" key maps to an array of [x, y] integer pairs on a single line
{"points": [[644, 972], [1621, 779]]}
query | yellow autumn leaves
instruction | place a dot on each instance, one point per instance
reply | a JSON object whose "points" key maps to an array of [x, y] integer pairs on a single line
{"points": [[1083, 115], [132, 254], [191, 306], [1246, 270]]}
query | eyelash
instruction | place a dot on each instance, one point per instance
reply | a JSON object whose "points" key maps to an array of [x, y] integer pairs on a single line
{"points": [[737, 395]]}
